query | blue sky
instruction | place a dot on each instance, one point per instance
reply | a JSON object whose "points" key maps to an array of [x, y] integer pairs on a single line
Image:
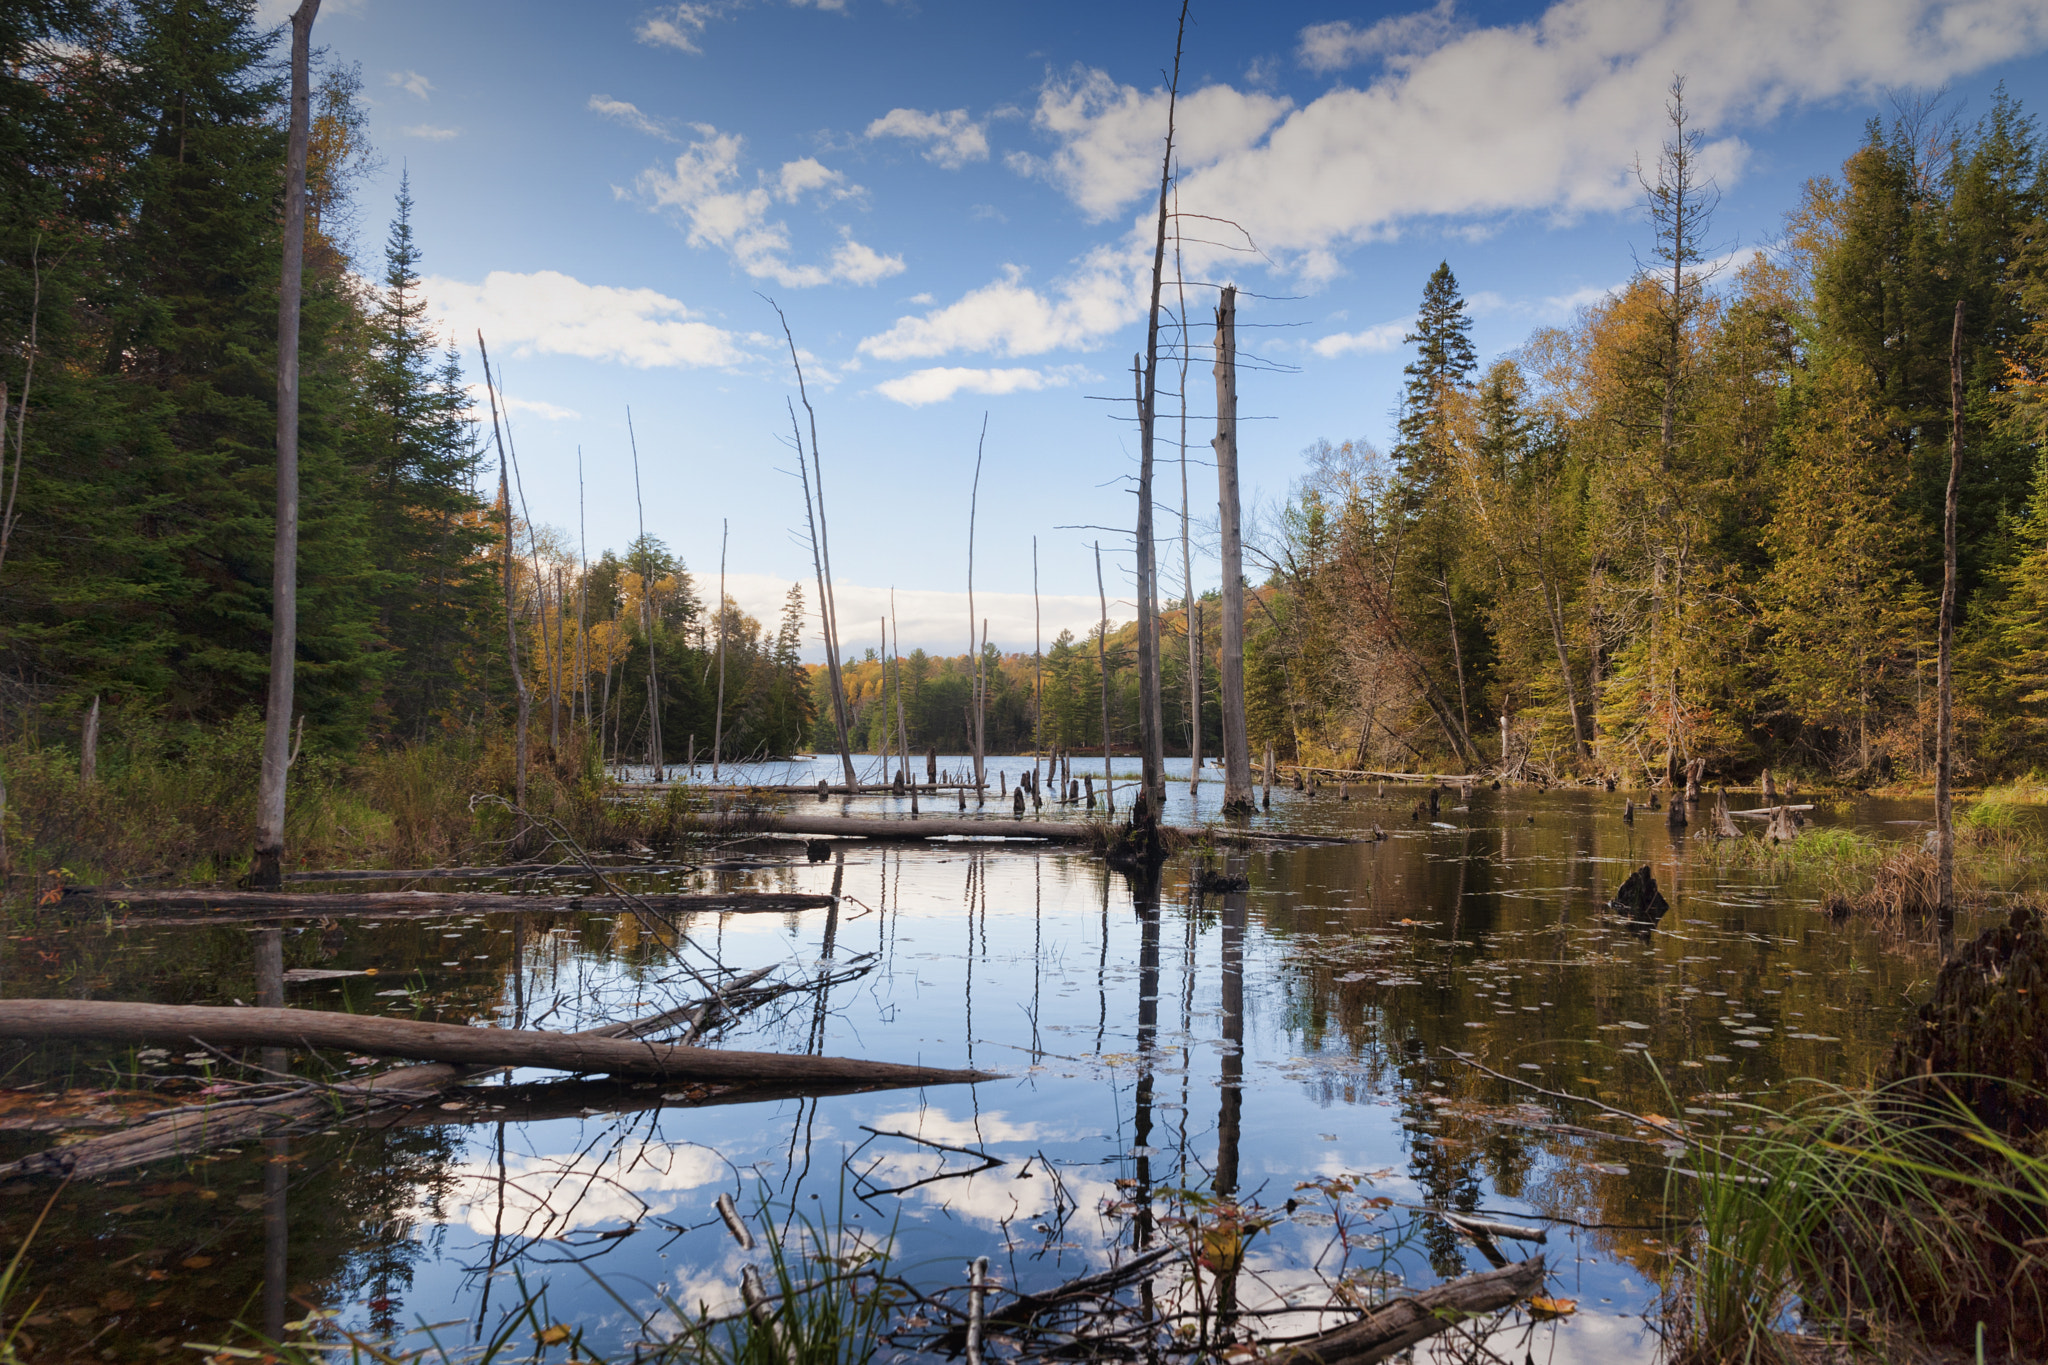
{"points": [[948, 201]]}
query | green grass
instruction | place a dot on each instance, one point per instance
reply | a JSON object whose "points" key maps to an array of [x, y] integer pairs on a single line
{"points": [[1866, 1211]]}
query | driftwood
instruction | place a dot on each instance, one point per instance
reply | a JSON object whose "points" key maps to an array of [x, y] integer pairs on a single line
{"points": [[1455, 779], [1639, 897], [122, 1021], [323, 905], [1007, 827], [412, 874], [1416, 1317], [190, 1129]]}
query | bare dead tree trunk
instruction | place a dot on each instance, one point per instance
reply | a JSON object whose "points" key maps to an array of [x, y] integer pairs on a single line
{"points": [[284, 558], [1151, 714], [8, 517], [821, 555], [718, 721], [1187, 563], [89, 746], [511, 613], [902, 731], [582, 602], [973, 504], [1237, 753], [1944, 740], [1037, 669], [656, 753], [1102, 658]]}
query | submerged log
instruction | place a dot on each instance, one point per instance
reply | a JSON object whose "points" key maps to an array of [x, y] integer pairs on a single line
{"points": [[123, 1021], [1415, 1317]]}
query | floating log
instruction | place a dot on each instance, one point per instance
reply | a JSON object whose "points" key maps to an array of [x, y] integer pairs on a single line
{"points": [[326, 905], [1415, 1317], [124, 1021], [797, 825], [1767, 812]]}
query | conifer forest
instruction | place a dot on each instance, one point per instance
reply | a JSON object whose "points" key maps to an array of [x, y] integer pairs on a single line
{"points": [[1558, 879]]}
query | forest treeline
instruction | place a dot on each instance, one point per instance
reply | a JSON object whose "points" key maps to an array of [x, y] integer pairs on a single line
{"points": [[142, 150], [1701, 520]]}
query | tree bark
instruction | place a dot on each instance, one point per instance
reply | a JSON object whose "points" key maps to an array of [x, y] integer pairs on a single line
{"points": [[1944, 740], [323, 905], [511, 613], [1237, 753], [1102, 659], [284, 561], [973, 504], [1416, 1317], [122, 1021], [718, 721]]}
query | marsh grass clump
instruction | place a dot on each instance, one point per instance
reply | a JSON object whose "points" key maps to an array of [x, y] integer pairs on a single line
{"points": [[1915, 1210]]}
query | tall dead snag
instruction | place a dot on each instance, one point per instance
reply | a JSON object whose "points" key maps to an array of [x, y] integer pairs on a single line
{"points": [[1189, 603], [1237, 753], [980, 684], [1151, 714], [657, 751], [1944, 688], [284, 562], [1102, 658], [821, 551], [524, 702], [718, 721]]}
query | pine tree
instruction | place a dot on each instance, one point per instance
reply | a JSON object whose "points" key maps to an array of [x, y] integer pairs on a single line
{"points": [[1444, 361], [428, 536]]}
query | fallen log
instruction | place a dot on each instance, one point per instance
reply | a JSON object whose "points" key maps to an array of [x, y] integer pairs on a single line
{"points": [[125, 1021], [216, 1125], [330, 904], [1408, 1320], [1766, 812], [1008, 827], [413, 874]]}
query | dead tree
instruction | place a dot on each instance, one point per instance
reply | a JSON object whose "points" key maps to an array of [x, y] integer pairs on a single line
{"points": [[524, 702], [1944, 686], [1237, 754], [284, 561]]}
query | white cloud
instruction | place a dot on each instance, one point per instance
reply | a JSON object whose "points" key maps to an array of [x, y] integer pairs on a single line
{"points": [[628, 114], [430, 132], [1327, 47], [678, 26], [558, 1194], [936, 385], [411, 82], [1548, 116], [705, 184], [1112, 137], [1009, 317], [1385, 336], [951, 139], [547, 312], [546, 411]]}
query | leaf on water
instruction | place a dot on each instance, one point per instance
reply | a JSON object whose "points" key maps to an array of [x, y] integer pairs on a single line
{"points": [[196, 1262], [553, 1336], [1540, 1307]]}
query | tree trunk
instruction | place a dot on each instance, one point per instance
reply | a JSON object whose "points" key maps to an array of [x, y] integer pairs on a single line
{"points": [[718, 721], [1944, 739], [122, 1021], [284, 561], [1237, 754], [1102, 658], [1416, 1317]]}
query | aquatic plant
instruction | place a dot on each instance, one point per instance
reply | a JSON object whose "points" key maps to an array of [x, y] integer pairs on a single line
{"points": [[1856, 1213]]}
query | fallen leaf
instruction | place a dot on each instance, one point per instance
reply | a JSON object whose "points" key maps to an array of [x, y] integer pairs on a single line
{"points": [[81, 1316], [196, 1262], [1552, 1308], [117, 1301], [553, 1336]]}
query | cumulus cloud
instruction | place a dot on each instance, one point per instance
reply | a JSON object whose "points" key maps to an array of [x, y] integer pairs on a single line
{"points": [[936, 385], [1548, 116], [547, 312], [679, 26], [1331, 46], [639, 1179], [1111, 136], [725, 209], [430, 132], [1011, 318], [1386, 336], [628, 114], [950, 138], [411, 82]]}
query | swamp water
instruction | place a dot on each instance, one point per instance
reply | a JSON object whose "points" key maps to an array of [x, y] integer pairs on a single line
{"points": [[1269, 1078]]}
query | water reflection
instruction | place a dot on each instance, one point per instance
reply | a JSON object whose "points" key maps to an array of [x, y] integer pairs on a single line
{"points": [[1326, 1008]]}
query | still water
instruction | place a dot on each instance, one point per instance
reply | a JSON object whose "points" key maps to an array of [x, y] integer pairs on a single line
{"points": [[1300, 1053]]}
